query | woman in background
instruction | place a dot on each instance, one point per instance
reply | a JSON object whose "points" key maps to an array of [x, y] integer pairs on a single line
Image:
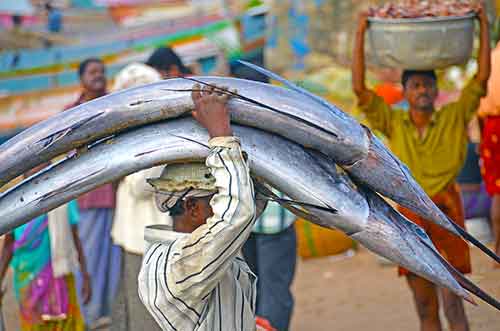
{"points": [[43, 254]]}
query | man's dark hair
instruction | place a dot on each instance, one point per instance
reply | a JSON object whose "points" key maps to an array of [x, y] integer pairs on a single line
{"points": [[407, 74], [17, 20], [164, 57], [48, 6], [85, 63], [177, 209]]}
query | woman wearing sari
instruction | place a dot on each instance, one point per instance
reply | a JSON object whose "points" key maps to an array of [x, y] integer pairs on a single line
{"points": [[43, 254]]}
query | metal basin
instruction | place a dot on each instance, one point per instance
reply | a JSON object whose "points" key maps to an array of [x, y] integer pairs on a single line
{"points": [[422, 43]]}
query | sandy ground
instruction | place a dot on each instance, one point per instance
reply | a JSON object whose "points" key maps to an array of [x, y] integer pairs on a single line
{"points": [[358, 293]]}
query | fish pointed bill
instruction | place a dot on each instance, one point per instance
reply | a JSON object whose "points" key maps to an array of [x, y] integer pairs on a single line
{"points": [[469, 285], [391, 235], [476, 243], [384, 173]]}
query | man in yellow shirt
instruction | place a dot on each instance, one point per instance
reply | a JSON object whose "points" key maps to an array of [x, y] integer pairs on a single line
{"points": [[433, 145]]}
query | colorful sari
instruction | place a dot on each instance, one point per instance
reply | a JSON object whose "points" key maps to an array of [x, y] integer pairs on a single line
{"points": [[46, 302]]}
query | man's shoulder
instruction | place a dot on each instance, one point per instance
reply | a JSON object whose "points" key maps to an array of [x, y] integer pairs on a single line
{"points": [[162, 234], [71, 105], [77, 102], [377, 102]]}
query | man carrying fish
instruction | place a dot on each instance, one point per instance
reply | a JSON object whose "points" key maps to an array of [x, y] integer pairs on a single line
{"points": [[433, 145], [193, 277]]}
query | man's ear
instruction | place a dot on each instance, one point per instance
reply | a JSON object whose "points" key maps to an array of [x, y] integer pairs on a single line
{"points": [[190, 207]]}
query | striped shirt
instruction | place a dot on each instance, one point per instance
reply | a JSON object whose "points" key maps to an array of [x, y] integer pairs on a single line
{"points": [[198, 281]]}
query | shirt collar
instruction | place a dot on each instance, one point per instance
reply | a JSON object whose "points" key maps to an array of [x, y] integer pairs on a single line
{"points": [[408, 121], [79, 101], [162, 233]]}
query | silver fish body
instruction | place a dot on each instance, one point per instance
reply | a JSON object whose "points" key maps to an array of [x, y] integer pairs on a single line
{"points": [[304, 176], [171, 98], [394, 180], [379, 169], [288, 113], [271, 157]]}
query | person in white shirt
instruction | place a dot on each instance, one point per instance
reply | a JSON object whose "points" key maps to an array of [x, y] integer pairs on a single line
{"points": [[135, 209], [193, 278]]}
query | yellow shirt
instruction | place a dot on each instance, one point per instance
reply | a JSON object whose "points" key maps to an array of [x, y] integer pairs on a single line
{"points": [[436, 158]]}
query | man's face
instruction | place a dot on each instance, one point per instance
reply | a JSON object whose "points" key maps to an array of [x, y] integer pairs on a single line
{"points": [[172, 72], [204, 209], [197, 211], [94, 77], [421, 92]]}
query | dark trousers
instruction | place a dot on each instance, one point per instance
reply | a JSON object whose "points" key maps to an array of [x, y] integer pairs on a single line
{"points": [[272, 257]]}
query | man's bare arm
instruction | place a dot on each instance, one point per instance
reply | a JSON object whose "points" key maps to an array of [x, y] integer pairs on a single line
{"points": [[358, 62], [484, 57], [211, 111]]}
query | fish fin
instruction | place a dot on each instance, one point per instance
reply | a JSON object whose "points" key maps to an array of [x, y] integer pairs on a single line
{"points": [[287, 83], [148, 152], [467, 236], [267, 193], [307, 205], [235, 95], [474, 289]]}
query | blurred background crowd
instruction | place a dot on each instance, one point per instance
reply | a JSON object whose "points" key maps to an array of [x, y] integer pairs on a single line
{"points": [[58, 54]]}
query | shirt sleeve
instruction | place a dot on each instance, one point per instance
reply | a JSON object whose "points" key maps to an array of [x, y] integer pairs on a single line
{"points": [[378, 113], [192, 267], [466, 106]]}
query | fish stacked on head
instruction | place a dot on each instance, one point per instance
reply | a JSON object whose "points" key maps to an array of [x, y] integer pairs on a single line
{"points": [[290, 113]]}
